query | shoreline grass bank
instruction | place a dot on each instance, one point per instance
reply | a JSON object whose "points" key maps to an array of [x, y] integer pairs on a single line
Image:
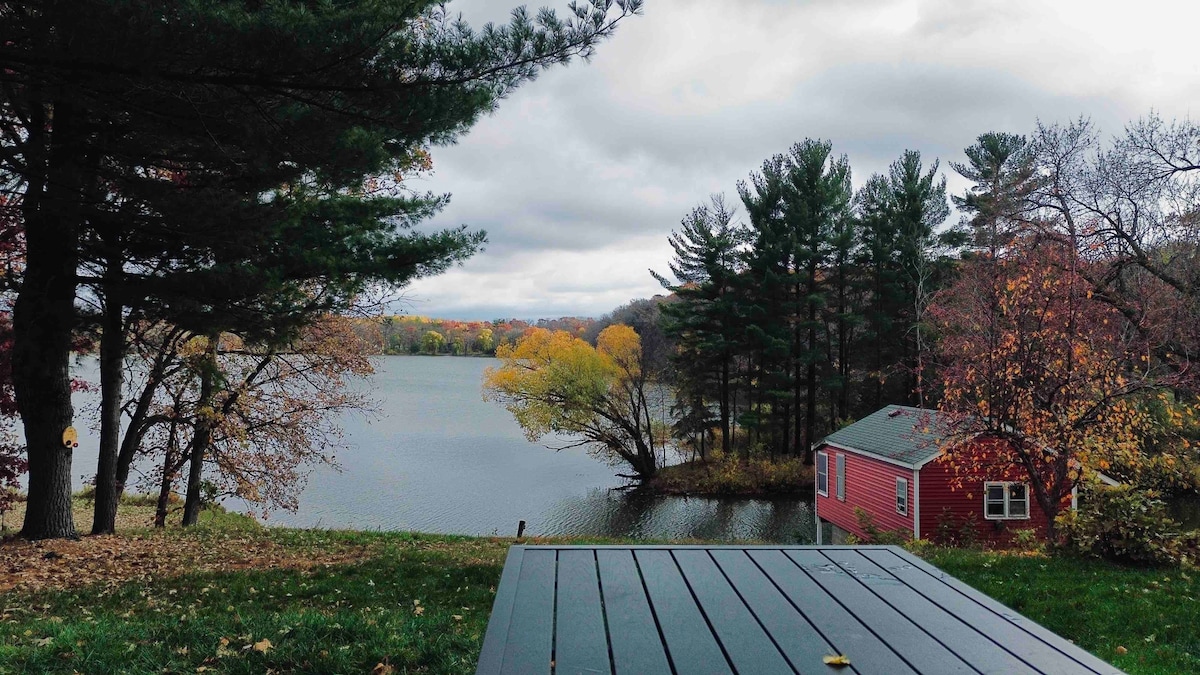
{"points": [[736, 478], [232, 596]]}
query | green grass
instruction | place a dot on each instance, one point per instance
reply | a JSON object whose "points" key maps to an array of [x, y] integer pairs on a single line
{"points": [[417, 603], [420, 603], [1154, 615]]}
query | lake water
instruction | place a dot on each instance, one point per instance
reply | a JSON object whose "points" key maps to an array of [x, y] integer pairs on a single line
{"points": [[437, 458]]}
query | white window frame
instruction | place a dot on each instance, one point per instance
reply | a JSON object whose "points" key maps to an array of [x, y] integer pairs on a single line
{"points": [[1008, 500], [840, 470], [902, 495], [822, 460]]}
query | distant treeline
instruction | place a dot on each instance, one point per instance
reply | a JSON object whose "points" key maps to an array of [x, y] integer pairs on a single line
{"points": [[409, 334]]}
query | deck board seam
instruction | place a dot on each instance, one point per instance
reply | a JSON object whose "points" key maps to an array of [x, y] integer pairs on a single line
{"points": [[992, 610], [966, 623], [787, 598], [754, 614], [861, 621], [612, 662], [708, 622], [903, 614], [662, 638]]}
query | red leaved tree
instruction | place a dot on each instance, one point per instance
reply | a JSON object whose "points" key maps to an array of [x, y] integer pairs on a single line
{"points": [[1030, 356], [12, 460]]}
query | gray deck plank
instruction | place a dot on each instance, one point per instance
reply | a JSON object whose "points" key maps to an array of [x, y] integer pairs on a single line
{"points": [[530, 631], [1075, 652], [1009, 635], [803, 645], [690, 642], [903, 636], [958, 634], [580, 645], [637, 648], [848, 635], [491, 655], [749, 647]]}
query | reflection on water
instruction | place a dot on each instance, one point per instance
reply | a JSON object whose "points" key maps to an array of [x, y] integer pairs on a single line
{"points": [[440, 459], [605, 513]]}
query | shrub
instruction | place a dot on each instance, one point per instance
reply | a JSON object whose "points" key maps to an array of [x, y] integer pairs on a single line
{"points": [[958, 532], [1126, 524], [866, 522]]}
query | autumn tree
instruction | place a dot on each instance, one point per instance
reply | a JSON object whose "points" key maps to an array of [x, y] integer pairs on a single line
{"points": [[256, 417], [1131, 207], [227, 146], [1029, 355], [555, 383]]}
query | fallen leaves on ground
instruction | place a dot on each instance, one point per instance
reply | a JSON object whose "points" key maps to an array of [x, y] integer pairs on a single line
{"points": [[145, 554], [264, 645]]}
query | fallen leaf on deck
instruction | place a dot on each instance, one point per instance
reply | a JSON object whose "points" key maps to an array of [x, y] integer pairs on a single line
{"points": [[837, 661]]}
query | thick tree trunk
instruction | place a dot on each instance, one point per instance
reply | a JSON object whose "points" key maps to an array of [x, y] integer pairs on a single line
{"points": [[112, 376], [202, 436], [43, 320]]}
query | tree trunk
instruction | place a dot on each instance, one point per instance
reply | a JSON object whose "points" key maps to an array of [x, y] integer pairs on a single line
{"points": [[169, 468], [202, 435], [112, 375], [726, 439], [43, 320]]}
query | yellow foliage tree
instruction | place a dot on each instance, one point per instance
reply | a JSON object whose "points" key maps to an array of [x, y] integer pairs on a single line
{"points": [[554, 382]]}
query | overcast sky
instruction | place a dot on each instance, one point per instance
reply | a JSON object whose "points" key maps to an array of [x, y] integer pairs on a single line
{"points": [[582, 174]]}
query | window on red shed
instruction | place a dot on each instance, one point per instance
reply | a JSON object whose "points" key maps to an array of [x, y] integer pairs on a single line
{"points": [[823, 474], [1005, 501], [841, 477], [902, 496]]}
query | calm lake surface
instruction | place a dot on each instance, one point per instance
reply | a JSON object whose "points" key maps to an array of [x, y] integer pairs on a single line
{"points": [[437, 458]]}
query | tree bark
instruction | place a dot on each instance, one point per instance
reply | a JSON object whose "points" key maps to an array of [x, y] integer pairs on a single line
{"points": [[202, 436], [112, 376], [43, 320], [169, 468]]}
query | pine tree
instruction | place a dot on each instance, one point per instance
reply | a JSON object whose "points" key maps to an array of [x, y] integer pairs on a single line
{"points": [[234, 144], [703, 320]]}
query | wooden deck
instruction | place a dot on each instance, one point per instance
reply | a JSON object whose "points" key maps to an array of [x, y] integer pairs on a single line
{"points": [[761, 610]]}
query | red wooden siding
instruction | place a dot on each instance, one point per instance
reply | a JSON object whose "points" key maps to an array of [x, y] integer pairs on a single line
{"points": [[955, 497], [871, 486]]}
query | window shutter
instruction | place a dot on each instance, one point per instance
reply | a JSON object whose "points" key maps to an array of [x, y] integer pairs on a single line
{"points": [[841, 477]]}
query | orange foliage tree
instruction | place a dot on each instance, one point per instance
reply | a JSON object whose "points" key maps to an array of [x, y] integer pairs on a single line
{"points": [[554, 382], [1030, 356]]}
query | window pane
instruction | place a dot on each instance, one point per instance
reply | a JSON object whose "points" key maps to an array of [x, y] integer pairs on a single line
{"points": [[1018, 500], [995, 493], [901, 496], [995, 509]]}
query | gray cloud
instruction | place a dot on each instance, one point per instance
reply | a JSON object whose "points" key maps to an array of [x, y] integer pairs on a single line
{"points": [[582, 174]]}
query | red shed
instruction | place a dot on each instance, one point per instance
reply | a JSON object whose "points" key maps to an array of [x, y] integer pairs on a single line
{"points": [[890, 465]]}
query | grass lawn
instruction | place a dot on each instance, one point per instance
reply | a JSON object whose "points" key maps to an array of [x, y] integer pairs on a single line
{"points": [[1143, 621], [231, 596]]}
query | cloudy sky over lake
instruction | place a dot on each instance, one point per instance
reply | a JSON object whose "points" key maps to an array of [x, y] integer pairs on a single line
{"points": [[581, 175]]}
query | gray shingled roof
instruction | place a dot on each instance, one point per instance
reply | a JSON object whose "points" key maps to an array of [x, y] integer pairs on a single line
{"points": [[897, 432]]}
